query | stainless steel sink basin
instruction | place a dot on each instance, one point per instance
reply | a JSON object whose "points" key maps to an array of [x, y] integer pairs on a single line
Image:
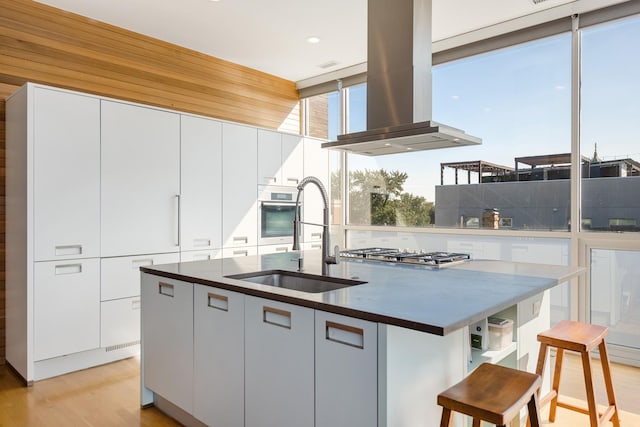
{"points": [[297, 281]]}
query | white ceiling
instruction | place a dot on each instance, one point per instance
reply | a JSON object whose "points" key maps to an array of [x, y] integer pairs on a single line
{"points": [[270, 35]]}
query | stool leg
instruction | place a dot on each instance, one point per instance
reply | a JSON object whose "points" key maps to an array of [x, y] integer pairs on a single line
{"points": [[534, 411], [445, 421], [591, 395], [556, 384], [542, 359], [606, 370]]}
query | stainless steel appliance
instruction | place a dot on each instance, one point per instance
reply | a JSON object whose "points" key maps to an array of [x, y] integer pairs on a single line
{"points": [[276, 211], [433, 259]]}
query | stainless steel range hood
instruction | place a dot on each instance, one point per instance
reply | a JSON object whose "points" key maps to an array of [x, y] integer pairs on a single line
{"points": [[399, 85]]}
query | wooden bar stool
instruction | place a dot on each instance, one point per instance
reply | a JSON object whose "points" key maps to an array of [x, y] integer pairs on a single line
{"points": [[494, 394], [582, 338]]}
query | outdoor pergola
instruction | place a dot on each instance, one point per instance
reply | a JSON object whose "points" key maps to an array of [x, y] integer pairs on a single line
{"points": [[477, 166], [563, 159]]}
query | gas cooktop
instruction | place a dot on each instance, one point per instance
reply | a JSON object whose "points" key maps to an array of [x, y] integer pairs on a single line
{"points": [[433, 259]]}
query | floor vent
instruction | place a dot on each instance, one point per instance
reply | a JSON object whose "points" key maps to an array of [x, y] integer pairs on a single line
{"points": [[121, 346]]}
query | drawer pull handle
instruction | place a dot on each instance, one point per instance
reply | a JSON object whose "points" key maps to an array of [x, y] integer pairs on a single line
{"points": [[241, 239], [293, 180], [165, 289], [135, 304], [68, 250], [201, 243], [269, 179], [343, 334], [316, 235], [242, 252], [137, 263], [219, 302], [68, 269], [282, 249], [277, 317], [201, 257], [316, 246]]}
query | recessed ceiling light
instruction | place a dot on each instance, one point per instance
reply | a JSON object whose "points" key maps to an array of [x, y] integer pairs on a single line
{"points": [[313, 39]]}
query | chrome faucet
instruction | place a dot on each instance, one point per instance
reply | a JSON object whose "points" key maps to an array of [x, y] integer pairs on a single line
{"points": [[326, 258]]}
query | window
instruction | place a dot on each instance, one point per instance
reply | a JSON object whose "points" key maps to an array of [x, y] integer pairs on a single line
{"points": [[518, 101], [608, 126]]}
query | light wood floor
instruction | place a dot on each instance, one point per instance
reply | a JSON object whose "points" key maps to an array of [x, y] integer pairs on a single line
{"points": [[109, 396]]}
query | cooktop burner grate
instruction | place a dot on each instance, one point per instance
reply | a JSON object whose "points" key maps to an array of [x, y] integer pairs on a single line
{"points": [[406, 256]]}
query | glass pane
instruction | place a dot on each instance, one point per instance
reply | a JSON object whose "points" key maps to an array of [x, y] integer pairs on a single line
{"points": [[608, 128], [518, 101], [357, 108], [323, 116], [615, 294]]}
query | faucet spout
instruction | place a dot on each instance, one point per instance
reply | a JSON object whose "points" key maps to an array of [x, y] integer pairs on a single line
{"points": [[326, 258]]}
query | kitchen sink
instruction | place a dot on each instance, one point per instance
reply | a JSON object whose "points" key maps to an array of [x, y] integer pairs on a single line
{"points": [[297, 281]]}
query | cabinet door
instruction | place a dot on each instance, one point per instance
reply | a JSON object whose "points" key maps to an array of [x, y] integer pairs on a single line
{"points": [[279, 368], [120, 322], [239, 252], [292, 159], [167, 339], [187, 256], [120, 276], [218, 342], [66, 175], [346, 371], [269, 157], [200, 183], [316, 163], [239, 188], [66, 307], [140, 180]]}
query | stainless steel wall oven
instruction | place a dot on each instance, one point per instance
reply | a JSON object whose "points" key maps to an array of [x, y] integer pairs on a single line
{"points": [[275, 214]]}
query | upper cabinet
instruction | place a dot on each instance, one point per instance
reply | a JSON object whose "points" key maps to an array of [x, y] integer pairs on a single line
{"points": [[200, 183], [280, 158], [239, 189], [66, 175], [140, 180]]}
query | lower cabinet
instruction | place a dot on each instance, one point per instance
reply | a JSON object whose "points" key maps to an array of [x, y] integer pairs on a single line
{"points": [[66, 308], [236, 360], [167, 339], [279, 364], [346, 370], [218, 344], [120, 322]]}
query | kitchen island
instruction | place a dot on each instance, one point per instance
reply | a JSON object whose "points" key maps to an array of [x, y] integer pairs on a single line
{"points": [[225, 351]]}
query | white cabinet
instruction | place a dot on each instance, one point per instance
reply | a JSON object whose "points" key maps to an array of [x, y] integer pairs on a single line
{"points": [[66, 307], [273, 249], [167, 339], [239, 189], [120, 276], [218, 342], [140, 180], [188, 256], [66, 174], [279, 368], [280, 158], [346, 369], [120, 322], [200, 183], [292, 159], [316, 163]]}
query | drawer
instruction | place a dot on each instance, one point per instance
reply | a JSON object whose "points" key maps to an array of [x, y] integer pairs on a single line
{"points": [[119, 321], [120, 276]]}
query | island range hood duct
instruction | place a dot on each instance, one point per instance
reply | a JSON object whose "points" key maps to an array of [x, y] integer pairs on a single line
{"points": [[399, 85]]}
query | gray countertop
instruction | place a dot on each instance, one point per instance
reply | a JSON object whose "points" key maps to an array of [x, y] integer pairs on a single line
{"points": [[436, 301]]}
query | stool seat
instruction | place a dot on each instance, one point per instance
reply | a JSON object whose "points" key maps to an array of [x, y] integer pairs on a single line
{"points": [[492, 393], [575, 336], [581, 338]]}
